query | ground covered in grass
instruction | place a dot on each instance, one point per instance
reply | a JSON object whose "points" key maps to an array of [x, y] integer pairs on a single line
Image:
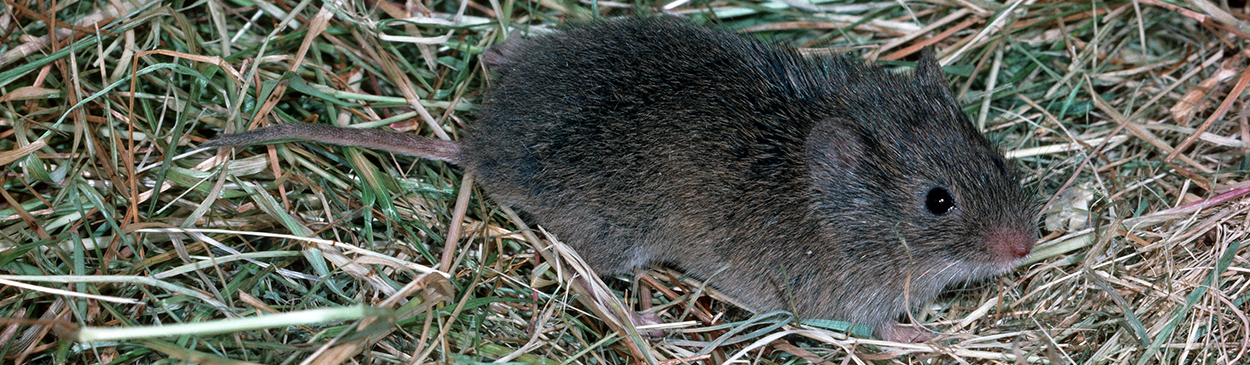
{"points": [[1128, 118]]}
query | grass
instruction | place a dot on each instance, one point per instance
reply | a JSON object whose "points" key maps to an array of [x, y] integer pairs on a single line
{"points": [[1128, 118]]}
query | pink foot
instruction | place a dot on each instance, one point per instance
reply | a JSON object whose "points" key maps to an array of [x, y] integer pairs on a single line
{"points": [[897, 332], [638, 319], [646, 319]]}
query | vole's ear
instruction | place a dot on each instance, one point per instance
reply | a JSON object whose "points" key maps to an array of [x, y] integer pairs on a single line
{"points": [[834, 146], [928, 70]]}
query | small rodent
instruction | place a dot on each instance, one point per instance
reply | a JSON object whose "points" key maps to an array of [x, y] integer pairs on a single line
{"points": [[822, 185]]}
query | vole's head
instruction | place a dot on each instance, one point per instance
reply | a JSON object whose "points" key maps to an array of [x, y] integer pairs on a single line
{"points": [[910, 183]]}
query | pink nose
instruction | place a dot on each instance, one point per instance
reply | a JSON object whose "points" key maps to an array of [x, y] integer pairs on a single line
{"points": [[1010, 244]]}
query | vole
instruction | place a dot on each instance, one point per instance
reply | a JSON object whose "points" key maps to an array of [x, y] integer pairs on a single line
{"points": [[824, 186]]}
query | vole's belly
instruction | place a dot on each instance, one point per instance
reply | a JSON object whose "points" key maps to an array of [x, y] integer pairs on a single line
{"points": [[612, 244], [619, 236]]}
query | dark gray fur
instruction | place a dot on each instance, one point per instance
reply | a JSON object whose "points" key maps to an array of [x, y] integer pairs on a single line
{"points": [[801, 183]]}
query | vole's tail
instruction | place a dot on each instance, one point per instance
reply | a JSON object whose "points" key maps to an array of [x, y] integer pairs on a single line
{"points": [[401, 143]]}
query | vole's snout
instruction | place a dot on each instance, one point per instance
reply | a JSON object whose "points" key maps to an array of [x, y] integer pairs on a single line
{"points": [[1009, 245]]}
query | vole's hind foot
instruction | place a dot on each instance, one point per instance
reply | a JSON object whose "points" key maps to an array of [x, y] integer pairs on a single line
{"points": [[638, 319], [647, 319], [897, 332]]}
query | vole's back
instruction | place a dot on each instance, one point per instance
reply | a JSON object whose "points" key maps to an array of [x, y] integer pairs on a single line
{"points": [[640, 133]]}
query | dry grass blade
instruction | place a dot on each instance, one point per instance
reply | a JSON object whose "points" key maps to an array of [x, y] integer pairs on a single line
{"points": [[1130, 117]]}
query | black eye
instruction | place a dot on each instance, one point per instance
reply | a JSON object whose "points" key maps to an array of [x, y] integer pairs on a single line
{"points": [[939, 201]]}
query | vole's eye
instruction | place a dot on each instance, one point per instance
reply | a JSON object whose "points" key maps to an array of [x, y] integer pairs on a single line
{"points": [[939, 201]]}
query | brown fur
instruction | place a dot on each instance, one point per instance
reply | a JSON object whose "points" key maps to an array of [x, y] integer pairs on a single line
{"points": [[805, 184]]}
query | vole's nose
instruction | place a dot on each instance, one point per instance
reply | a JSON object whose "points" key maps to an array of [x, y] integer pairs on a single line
{"points": [[1009, 245]]}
